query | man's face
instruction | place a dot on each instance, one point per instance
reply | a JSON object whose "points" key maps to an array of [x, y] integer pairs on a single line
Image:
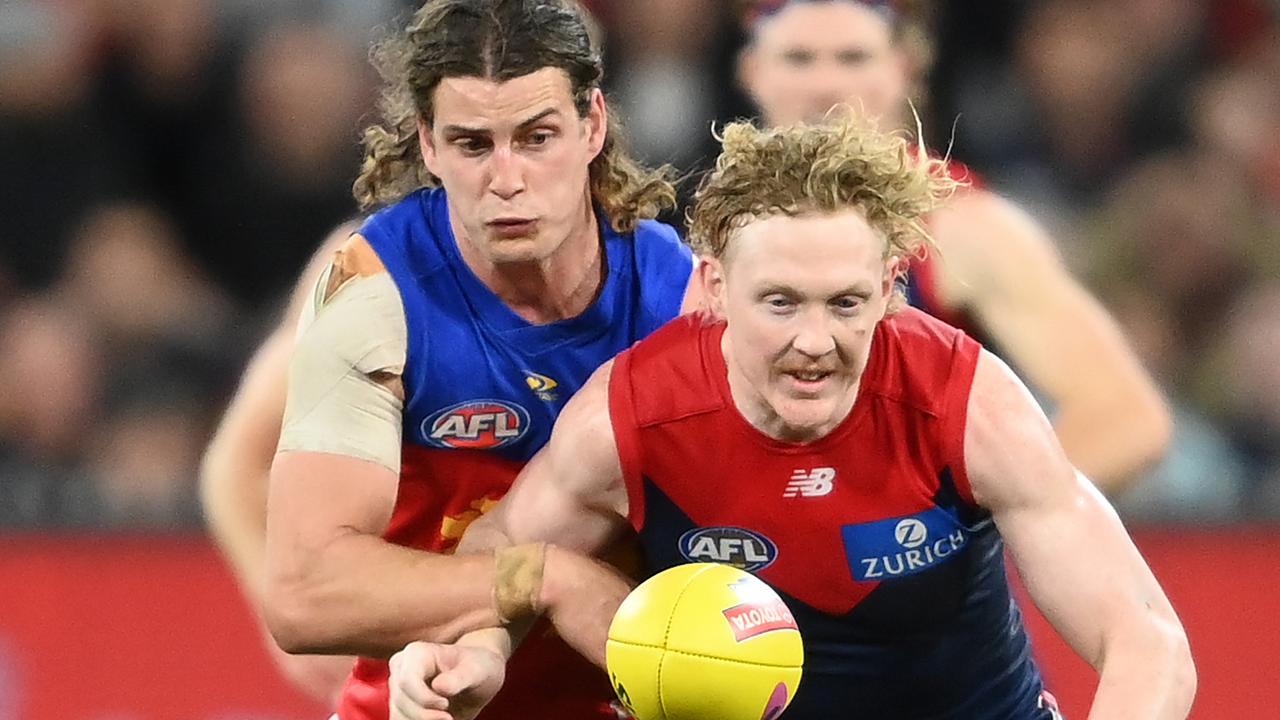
{"points": [[810, 57], [513, 157], [802, 296]]}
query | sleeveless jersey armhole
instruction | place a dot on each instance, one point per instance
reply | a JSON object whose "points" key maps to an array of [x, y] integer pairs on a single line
{"points": [[964, 362], [626, 434]]}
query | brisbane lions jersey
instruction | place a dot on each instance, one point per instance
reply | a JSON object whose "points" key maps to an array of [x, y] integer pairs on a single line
{"points": [[896, 578], [483, 388]]}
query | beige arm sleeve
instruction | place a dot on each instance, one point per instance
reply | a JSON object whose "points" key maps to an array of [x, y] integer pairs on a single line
{"points": [[345, 344]]}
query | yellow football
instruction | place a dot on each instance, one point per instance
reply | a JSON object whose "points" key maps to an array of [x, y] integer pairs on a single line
{"points": [[704, 642]]}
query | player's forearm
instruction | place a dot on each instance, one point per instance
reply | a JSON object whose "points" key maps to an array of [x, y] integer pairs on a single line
{"points": [[1146, 676], [361, 595], [1113, 442]]}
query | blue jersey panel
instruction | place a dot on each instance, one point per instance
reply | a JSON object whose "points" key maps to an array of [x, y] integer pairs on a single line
{"points": [[480, 377]]}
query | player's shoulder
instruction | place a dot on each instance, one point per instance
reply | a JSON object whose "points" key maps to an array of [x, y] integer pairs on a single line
{"points": [[915, 329], [667, 375], [406, 219], [914, 356], [678, 338], [354, 258], [659, 240]]}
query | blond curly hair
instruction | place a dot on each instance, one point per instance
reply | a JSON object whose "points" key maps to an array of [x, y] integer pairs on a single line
{"points": [[802, 169], [498, 40]]}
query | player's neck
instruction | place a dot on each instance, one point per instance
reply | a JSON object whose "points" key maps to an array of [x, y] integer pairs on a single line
{"points": [[560, 286]]}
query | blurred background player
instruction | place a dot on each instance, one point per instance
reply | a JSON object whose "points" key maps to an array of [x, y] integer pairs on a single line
{"points": [[995, 273], [921, 455], [437, 349], [237, 466]]}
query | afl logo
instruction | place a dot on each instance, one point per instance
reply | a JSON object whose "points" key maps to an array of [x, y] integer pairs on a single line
{"points": [[911, 533], [735, 546], [476, 425]]}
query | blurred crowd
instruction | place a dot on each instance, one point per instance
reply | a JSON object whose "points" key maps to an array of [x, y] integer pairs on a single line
{"points": [[170, 165]]}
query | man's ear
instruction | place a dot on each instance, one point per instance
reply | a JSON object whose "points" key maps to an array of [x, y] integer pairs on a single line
{"points": [[711, 272], [895, 268], [597, 123]]}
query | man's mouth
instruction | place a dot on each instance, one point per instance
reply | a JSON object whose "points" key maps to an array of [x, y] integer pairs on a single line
{"points": [[513, 227]]}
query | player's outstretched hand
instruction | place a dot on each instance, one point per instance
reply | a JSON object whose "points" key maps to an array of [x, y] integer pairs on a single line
{"points": [[430, 681], [580, 596]]}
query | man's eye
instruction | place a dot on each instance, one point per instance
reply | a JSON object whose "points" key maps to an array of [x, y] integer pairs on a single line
{"points": [[798, 59], [847, 303]]}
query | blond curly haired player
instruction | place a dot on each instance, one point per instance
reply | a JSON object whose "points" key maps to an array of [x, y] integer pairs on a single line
{"points": [[870, 463]]}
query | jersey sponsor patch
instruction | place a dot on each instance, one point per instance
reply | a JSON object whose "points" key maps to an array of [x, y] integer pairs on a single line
{"points": [[902, 546], [476, 425], [735, 546], [815, 482], [542, 386]]}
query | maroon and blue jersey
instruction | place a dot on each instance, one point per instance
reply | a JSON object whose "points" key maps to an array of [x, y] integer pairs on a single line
{"points": [[894, 574], [483, 388], [922, 281]]}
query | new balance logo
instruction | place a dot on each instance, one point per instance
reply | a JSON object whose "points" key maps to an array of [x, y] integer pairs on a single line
{"points": [[810, 483]]}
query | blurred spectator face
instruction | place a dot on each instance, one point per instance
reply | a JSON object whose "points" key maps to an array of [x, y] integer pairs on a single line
{"points": [[1182, 211], [1237, 113], [168, 40], [44, 55], [304, 92], [514, 158], [49, 379], [143, 463], [812, 56], [126, 272], [664, 28], [1254, 345]]}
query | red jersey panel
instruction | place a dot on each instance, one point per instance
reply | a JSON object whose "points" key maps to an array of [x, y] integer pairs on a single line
{"points": [[545, 678]]}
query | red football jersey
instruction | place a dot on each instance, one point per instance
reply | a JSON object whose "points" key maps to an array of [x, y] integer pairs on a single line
{"points": [[871, 535]]}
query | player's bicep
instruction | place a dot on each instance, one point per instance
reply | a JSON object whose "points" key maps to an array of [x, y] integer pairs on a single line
{"points": [[345, 394], [571, 493], [1074, 555], [338, 461]]}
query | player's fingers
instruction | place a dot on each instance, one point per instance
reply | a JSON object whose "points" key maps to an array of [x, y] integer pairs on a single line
{"points": [[460, 679], [404, 709], [411, 670]]}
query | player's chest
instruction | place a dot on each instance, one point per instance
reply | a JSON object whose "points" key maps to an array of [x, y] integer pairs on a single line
{"points": [[469, 393], [828, 529]]}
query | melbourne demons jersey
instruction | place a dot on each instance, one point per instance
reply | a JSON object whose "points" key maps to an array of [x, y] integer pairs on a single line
{"points": [[895, 576], [922, 280], [482, 390]]}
